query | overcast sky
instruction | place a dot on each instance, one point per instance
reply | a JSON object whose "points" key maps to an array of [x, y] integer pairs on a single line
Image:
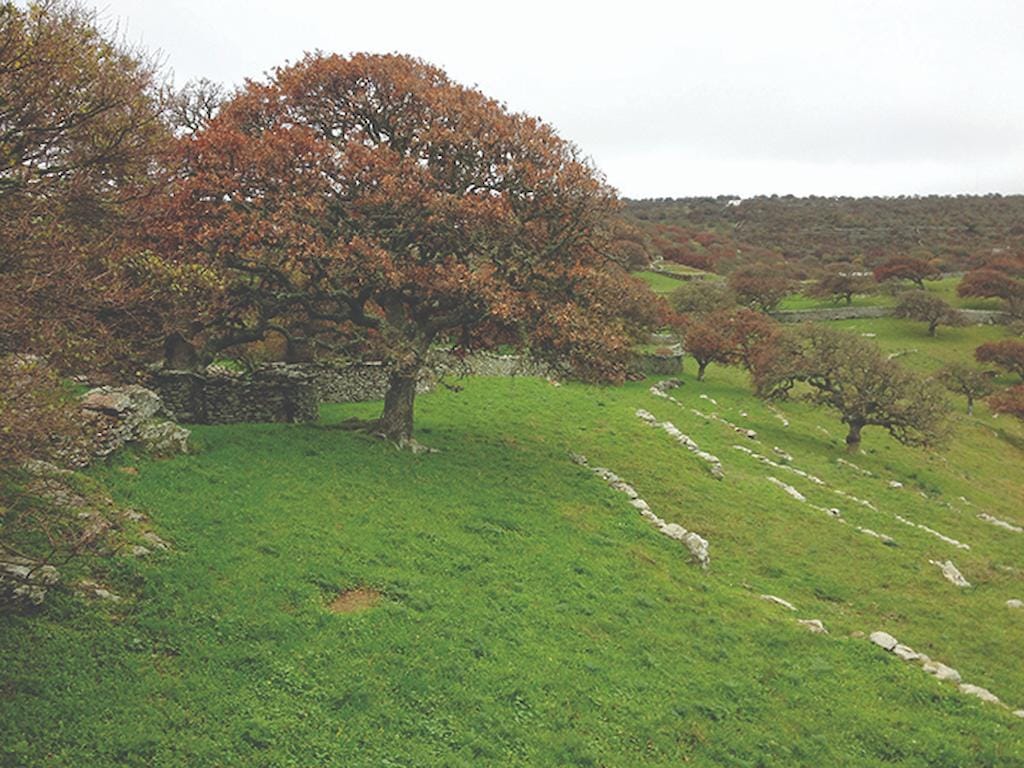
{"points": [[686, 98]]}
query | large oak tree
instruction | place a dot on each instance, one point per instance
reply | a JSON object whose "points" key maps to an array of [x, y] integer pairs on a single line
{"points": [[370, 204]]}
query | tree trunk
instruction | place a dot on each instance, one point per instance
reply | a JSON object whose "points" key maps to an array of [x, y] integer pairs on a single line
{"points": [[701, 367], [970, 405], [849, 299], [853, 436], [396, 420], [931, 328], [180, 354]]}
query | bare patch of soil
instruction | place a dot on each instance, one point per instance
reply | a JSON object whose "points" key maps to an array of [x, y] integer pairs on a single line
{"points": [[354, 600]]}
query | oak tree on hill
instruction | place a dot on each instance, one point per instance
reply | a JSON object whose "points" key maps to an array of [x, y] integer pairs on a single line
{"points": [[840, 283], [968, 381], [998, 278], [1009, 401], [927, 308], [761, 286], [851, 376], [911, 268], [371, 205], [1008, 354]]}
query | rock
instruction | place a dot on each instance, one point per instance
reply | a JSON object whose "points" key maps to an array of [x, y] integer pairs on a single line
{"points": [[905, 652], [952, 574], [781, 453], [883, 640], [24, 583], [134, 400], [138, 550], [155, 540], [92, 589], [163, 438], [895, 484], [779, 601], [1019, 712], [640, 504], [134, 515], [1000, 523], [1015, 603], [814, 625], [941, 671], [788, 489], [982, 693]]}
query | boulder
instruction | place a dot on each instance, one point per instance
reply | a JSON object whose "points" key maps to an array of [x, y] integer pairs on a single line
{"points": [[24, 583], [883, 640], [814, 625], [779, 601], [1015, 603], [905, 652], [982, 693], [941, 671]]}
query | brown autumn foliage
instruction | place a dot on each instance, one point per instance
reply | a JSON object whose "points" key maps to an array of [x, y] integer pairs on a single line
{"points": [[911, 268], [929, 309], [726, 336], [999, 277], [968, 381], [370, 204], [851, 376], [761, 286], [840, 282], [82, 129], [1008, 354], [1009, 401]]}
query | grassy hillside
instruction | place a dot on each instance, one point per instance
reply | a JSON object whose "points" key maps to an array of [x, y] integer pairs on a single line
{"points": [[529, 615]]}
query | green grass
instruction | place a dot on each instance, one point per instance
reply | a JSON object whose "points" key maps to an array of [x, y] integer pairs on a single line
{"points": [[660, 284], [530, 616], [886, 297]]}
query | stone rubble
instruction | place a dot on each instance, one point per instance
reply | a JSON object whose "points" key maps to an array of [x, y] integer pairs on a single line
{"points": [[1000, 523], [779, 601], [696, 544], [119, 416], [714, 464], [951, 573], [661, 390], [933, 532], [787, 467], [937, 669]]}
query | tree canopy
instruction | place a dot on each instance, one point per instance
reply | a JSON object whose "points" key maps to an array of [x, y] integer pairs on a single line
{"points": [[370, 204], [851, 376]]}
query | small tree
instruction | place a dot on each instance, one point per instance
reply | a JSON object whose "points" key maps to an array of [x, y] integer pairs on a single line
{"points": [[1009, 401], [709, 339], [910, 268], [850, 375], [752, 332], [761, 286], [1001, 278], [839, 283], [699, 297], [927, 308], [968, 381], [1008, 354]]}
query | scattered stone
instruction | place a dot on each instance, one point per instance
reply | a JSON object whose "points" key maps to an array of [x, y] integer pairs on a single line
{"points": [[781, 453], [1019, 712], [778, 415], [787, 467], [779, 601], [92, 589], [814, 625], [715, 465], [951, 573], [1000, 523], [936, 534], [941, 671], [889, 541], [895, 484], [697, 545], [138, 550], [905, 652], [155, 540], [883, 640], [788, 489], [982, 693], [853, 466], [1015, 603], [24, 583], [134, 515]]}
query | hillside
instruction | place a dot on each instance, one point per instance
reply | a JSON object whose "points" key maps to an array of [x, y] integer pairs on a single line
{"points": [[527, 614], [812, 230]]}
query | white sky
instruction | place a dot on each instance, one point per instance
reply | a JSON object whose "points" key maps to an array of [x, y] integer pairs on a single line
{"points": [[852, 97]]}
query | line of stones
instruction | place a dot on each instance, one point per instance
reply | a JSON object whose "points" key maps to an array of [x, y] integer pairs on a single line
{"points": [[696, 544]]}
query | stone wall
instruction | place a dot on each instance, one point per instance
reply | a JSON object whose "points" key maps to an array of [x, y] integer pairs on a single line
{"points": [[292, 393], [973, 316], [220, 397]]}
